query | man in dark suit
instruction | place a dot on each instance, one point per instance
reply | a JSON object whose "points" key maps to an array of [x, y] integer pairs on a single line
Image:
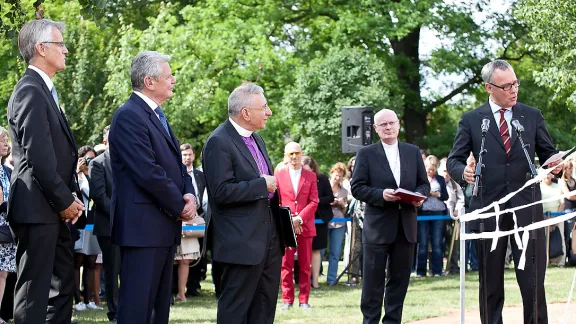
{"points": [[243, 227], [504, 172], [100, 178], [152, 192], [389, 234], [43, 190], [197, 267]]}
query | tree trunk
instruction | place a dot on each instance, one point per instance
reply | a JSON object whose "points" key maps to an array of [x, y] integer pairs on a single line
{"points": [[407, 59]]}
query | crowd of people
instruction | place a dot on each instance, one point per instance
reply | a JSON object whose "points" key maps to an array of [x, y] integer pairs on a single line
{"points": [[139, 187]]}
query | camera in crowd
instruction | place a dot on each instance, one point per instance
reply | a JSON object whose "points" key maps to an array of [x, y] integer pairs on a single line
{"points": [[87, 159]]}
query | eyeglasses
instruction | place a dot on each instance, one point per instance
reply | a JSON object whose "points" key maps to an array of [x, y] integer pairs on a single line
{"points": [[507, 86], [293, 154], [386, 124], [260, 108], [60, 44]]}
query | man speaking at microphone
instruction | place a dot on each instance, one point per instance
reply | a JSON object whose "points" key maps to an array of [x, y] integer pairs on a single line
{"points": [[505, 171]]}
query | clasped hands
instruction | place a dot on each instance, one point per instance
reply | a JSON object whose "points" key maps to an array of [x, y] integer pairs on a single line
{"points": [[297, 225], [74, 211], [189, 210]]}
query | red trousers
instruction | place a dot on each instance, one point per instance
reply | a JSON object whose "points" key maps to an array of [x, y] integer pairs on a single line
{"points": [[304, 263]]}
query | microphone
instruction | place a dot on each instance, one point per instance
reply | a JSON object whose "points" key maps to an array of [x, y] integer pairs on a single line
{"points": [[485, 125], [518, 126]]}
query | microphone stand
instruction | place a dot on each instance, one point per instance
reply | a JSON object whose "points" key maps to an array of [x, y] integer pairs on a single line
{"points": [[481, 252], [531, 175]]}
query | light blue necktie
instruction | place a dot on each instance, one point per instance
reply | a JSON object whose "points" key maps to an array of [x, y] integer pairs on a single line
{"points": [[163, 120], [55, 96]]}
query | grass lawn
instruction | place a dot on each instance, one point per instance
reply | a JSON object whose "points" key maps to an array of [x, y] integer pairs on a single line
{"points": [[427, 297]]}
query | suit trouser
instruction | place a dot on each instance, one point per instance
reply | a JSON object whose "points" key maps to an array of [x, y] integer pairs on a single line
{"points": [[250, 292], [45, 264], [494, 283], [398, 256], [305, 270], [111, 263], [145, 281]]}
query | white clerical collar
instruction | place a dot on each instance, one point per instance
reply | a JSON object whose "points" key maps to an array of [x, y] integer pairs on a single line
{"points": [[241, 130], [390, 146], [44, 76], [295, 173], [494, 107]]}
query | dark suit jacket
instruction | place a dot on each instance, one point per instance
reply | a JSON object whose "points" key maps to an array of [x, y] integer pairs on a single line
{"points": [[305, 202], [325, 197], [501, 174], [44, 153], [372, 174], [443, 191], [239, 218], [100, 179], [149, 179], [201, 184]]}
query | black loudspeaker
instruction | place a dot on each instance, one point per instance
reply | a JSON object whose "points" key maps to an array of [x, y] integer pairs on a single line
{"points": [[356, 127]]}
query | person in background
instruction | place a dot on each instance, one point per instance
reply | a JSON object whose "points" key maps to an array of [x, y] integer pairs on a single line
{"points": [[550, 189], [567, 184], [432, 230], [8, 250], [356, 212], [455, 203], [336, 231], [298, 190], [324, 213], [86, 249]]}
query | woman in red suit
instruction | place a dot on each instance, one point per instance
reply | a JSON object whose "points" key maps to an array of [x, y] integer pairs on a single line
{"points": [[298, 190]]}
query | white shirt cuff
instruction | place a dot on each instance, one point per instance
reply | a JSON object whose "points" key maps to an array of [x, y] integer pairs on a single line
{"points": [[300, 219]]}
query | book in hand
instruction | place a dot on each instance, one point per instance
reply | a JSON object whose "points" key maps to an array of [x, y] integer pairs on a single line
{"points": [[287, 227], [407, 196]]}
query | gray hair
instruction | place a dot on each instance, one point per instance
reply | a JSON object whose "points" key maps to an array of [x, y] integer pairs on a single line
{"points": [[34, 32], [241, 96], [146, 64], [489, 68]]}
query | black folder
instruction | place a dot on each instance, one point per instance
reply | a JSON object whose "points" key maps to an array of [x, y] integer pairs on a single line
{"points": [[287, 228]]}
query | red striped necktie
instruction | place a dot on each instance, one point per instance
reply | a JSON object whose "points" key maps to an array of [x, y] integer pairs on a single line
{"points": [[504, 132]]}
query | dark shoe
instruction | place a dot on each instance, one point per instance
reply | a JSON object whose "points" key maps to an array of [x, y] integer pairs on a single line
{"points": [[285, 307], [315, 287], [193, 293], [305, 306], [74, 322]]}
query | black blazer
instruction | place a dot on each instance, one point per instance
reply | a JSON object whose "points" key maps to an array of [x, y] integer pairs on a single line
{"points": [[201, 184], [325, 197], [372, 174], [100, 179], [443, 192], [44, 153], [502, 174], [239, 219]]}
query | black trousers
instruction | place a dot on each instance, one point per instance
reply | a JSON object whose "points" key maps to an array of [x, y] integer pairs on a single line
{"points": [[492, 282], [250, 292], [111, 262], [7, 308], [380, 262], [45, 284]]}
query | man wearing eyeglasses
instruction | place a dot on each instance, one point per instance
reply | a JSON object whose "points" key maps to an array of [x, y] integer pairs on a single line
{"points": [[298, 190], [43, 195], [505, 169], [389, 234]]}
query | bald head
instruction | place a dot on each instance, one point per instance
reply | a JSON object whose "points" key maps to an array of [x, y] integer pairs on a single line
{"points": [[293, 154], [387, 126]]}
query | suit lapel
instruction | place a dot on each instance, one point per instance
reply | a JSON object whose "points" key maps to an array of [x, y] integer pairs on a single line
{"points": [[300, 183], [286, 178], [107, 162], [381, 155], [237, 140], [403, 163], [517, 113], [55, 107], [155, 120], [486, 111]]}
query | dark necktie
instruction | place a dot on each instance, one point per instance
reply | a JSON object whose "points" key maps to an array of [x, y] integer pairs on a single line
{"points": [[504, 131], [55, 95], [163, 120]]}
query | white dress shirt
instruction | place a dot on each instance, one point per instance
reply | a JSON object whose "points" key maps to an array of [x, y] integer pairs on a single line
{"points": [[191, 173], [44, 76], [496, 111], [393, 156], [295, 177], [151, 103], [241, 130]]}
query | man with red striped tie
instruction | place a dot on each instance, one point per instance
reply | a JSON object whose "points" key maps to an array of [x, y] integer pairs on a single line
{"points": [[505, 171]]}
